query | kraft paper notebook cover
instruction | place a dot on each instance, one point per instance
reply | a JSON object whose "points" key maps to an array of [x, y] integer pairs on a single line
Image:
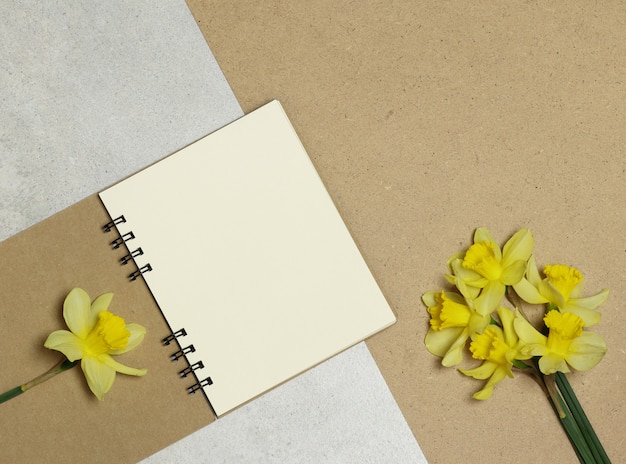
{"points": [[234, 242]]}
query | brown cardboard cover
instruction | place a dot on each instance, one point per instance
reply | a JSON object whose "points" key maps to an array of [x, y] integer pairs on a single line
{"points": [[139, 415], [428, 119]]}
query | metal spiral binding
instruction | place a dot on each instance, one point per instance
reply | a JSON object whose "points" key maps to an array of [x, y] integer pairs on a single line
{"points": [[110, 225], [142, 270], [129, 257], [182, 352], [171, 337], [190, 369], [197, 386], [119, 241], [122, 240]]}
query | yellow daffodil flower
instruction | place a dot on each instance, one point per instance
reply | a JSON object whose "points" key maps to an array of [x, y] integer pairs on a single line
{"points": [[498, 348], [561, 288], [95, 336], [453, 319], [490, 268], [566, 343]]}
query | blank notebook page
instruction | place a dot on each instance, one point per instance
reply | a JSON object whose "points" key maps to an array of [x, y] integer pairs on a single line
{"points": [[250, 256]]}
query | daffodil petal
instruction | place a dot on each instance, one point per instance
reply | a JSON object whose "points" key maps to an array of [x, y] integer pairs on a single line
{"points": [[455, 353], [485, 393], [102, 303], [576, 291], [99, 376], [507, 318], [551, 363], [513, 273], [469, 276], [591, 302], [76, 312], [99, 304], [453, 258], [459, 271], [518, 248], [429, 298], [532, 273], [528, 292], [478, 323], [475, 280], [586, 351], [527, 333], [551, 294], [137, 332], [65, 342], [490, 298], [482, 372], [468, 291], [438, 342], [121, 368], [589, 316], [481, 234]]}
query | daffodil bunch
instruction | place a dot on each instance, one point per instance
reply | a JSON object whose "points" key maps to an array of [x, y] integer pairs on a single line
{"points": [[493, 290], [96, 335]]}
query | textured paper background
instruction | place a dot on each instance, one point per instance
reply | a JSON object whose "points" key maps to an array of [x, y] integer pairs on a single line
{"points": [[427, 120]]}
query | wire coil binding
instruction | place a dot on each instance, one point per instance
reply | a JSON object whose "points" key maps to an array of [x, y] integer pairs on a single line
{"points": [[110, 225], [182, 352], [171, 337], [129, 257], [191, 369], [142, 270], [197, 386], [123, 240], [119, 241]]}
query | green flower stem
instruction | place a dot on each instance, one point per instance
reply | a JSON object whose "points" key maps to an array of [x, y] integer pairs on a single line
{"points": [[555, 397], [571, 428], [61, 366], [568, 420], [581, 419]]}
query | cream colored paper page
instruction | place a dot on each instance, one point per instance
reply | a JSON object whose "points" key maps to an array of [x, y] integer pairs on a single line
{"points": [[250, 256]]}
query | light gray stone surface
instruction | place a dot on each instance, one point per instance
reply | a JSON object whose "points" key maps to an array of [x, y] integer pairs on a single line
{"points": [[91, 92], [339, 412]]}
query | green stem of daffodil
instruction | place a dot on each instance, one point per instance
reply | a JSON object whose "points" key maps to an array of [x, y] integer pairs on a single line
{"points": [[567, 419], [571, 428], [61, 366], [555, 397], [578, 433], [521, 364], [581, 419]]}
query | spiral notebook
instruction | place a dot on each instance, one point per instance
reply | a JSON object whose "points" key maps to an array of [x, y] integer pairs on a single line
{"points": [[247, 258], [232, 255]]}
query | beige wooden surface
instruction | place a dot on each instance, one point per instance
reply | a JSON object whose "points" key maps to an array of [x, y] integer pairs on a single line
{"points": [[426, 120]]}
